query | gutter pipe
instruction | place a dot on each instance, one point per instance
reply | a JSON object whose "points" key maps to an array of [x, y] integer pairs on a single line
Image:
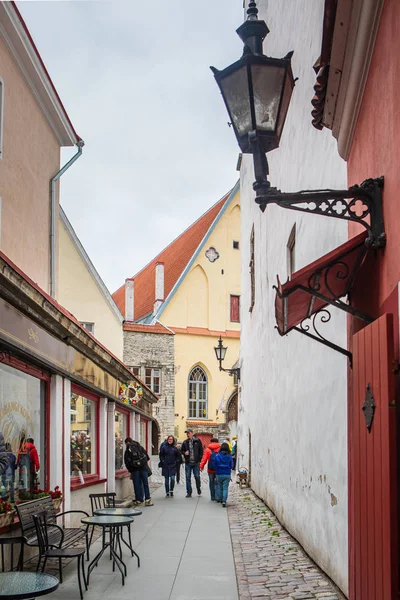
{"points": [[53, 182]]}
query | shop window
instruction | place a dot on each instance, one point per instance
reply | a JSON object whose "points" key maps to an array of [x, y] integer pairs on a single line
{"points": [[83, 434], [198, 394], [121, 433], [143, 433], [235, 309], [153, 380], [23, 422]]}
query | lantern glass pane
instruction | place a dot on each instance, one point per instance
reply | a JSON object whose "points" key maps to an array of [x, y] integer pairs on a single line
{"points": [[267, 88], [287, 94], [235, 89], [223, 352]]}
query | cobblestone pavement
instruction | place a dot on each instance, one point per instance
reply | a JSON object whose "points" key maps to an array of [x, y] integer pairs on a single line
{"points": [[269, 562]]}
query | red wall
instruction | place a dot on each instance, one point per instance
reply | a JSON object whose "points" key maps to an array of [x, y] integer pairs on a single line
{"points": [[376, 151]]}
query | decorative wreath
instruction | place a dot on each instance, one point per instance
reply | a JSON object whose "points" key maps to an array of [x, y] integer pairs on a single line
{"points": [[130, 393]]}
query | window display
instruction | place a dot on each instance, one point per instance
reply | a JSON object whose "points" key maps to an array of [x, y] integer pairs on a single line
{"points": [[83, 435], [22, 422], [121, 433]]}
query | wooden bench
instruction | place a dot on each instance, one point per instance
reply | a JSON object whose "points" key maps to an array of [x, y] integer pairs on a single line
{"points": [[59, 536]]}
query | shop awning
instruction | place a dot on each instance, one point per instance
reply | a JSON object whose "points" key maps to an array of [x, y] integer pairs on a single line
{"points": [[323, 282]]}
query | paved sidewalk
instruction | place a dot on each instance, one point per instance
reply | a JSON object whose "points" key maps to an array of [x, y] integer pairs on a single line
{"points": [[185, 550], [270, 564]]}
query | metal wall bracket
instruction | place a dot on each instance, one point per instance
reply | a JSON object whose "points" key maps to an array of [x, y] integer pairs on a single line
{"points": [[360, 204], [369, 407]]}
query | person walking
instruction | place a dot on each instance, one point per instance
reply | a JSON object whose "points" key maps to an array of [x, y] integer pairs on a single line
{"points": [[209, 459], [223, 467], [178, 462], [136, 459], [234, 451], [169, 457], [192, 451]]}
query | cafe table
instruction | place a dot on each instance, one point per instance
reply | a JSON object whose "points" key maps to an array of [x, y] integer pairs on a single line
{"points": [[113, 525], [19, 585], [122, 512]]}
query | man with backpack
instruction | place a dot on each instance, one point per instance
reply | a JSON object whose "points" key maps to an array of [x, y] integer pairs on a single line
{"points": [[209, 457], [136, 459]]}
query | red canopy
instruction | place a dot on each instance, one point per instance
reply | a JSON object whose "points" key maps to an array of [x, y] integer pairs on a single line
{"points": [[322, 282]]}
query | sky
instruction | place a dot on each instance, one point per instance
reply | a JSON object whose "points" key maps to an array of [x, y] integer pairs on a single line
{"points": [[134, 78]]}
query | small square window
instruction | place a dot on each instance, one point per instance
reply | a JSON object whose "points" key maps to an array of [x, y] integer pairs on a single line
{"points": [[235, 245], [135, 371], [88, 326]]}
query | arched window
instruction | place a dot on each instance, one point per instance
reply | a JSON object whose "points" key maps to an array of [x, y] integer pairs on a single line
{"points": [[198, 394]]}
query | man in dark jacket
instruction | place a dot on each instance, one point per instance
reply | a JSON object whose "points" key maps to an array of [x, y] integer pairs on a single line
{"points": [[192, 450], [136, 459]]}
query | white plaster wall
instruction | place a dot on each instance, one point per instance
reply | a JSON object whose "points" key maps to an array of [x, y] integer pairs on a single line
{"points": [[293, 390]]}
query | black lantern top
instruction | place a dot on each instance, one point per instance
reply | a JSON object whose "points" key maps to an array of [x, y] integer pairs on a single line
{"points": [[256, 89], [220, 351]]}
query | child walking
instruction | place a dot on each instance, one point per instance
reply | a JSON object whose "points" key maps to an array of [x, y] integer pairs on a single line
{"points": [[223, 465]]}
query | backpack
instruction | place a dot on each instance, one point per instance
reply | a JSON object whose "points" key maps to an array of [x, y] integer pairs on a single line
{"points": [[135, 459], [211, 461]]}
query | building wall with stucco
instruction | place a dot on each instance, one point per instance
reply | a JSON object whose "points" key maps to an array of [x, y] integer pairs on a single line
{"points": [[30, 157], [198, 313], [292, 431]]}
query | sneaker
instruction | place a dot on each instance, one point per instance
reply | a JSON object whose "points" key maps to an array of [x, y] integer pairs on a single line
{"points": [[167, 495], [199, 492], [188, 495], [224, 504], [218, 501], [148, 503], [137, 502], [171, 494]]}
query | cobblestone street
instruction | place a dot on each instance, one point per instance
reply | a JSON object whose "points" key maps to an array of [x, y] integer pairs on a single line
{"points": [[269, 562]]}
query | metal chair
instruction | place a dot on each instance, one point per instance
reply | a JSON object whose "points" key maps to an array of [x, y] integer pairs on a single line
{"points": [[11, 542], [48, 551], [99, 501]]}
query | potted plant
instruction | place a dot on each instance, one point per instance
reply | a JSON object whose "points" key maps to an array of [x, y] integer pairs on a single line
{"points": [[25, 495], [7, 513], [57, 497]]}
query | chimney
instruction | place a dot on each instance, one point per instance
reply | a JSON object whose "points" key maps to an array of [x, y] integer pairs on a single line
{"points": [[129, 300], [159, 299]]}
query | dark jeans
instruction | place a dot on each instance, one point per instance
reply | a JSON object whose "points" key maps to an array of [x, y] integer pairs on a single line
{"points": [[140, 484], [213, 488], [169, 483], [195, 467], [222, 487]]}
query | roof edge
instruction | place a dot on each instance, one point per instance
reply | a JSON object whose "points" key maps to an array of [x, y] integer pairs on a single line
{"points": [[89, 265], [189, 265]]}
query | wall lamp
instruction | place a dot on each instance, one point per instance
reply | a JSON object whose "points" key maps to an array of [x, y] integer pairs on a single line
{"points": [[257, 90], [220, 352]]}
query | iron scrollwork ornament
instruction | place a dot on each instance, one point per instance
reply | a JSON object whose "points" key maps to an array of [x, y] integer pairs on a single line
{"points": [[369, 408]]}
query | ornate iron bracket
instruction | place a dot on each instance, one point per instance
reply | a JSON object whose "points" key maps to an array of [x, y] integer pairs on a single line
{"points": [[311, 330], [361, 204], [232, 372]]}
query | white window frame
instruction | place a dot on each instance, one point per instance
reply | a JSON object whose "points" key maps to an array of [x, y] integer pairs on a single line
{"points": [[198, 401], [1, 116], [88, 326], [152, 377]]}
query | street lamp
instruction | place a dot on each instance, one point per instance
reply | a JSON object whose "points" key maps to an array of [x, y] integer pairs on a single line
{"points": [[220, 352], [257, 90]]}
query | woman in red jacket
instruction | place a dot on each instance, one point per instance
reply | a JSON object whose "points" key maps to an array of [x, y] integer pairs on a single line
{"points": [[34, 464], [208, 457]]}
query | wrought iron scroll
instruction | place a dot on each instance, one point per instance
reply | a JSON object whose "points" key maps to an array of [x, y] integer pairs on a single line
{"points": [[310, 328], [369, 408]]}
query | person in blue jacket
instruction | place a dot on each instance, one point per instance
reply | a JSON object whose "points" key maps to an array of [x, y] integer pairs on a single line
{"points": [[223, 465]]}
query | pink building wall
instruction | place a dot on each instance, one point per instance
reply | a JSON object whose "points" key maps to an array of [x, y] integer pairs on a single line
{"points": [[30, 158]]}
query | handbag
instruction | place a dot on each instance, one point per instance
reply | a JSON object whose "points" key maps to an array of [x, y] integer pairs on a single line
{"points": [[149, 471]]}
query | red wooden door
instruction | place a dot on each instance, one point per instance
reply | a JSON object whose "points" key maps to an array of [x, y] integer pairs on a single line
{"points": [[372, 466]]}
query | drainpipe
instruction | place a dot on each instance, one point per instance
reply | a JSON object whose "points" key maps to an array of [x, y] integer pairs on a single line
{"points": [[53, 182]]}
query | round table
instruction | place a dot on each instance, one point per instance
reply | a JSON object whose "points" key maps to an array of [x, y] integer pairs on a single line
{"points": [[122, 512], [114, 526], [22, 584], [118, 512]]}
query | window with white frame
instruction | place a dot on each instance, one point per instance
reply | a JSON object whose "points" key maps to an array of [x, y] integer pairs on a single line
{"points": [[88, 326], [83, 434], [1, 116], [198, 394], [121, 433], [135, 371], [291, 252], [153, 379]]}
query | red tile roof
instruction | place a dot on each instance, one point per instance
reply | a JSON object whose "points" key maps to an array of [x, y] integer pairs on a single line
{"points": [[139, 328], [175, 258]]}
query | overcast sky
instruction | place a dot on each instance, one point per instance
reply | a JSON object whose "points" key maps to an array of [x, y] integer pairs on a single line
{"points": [[135, 80]]}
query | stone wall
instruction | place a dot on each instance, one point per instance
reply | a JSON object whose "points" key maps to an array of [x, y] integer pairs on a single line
{"points": [[155, 350]]}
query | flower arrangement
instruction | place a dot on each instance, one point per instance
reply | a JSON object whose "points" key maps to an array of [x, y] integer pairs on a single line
{"points": [[56, 493], [25, 496], [130, 393], [5, 507]]}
